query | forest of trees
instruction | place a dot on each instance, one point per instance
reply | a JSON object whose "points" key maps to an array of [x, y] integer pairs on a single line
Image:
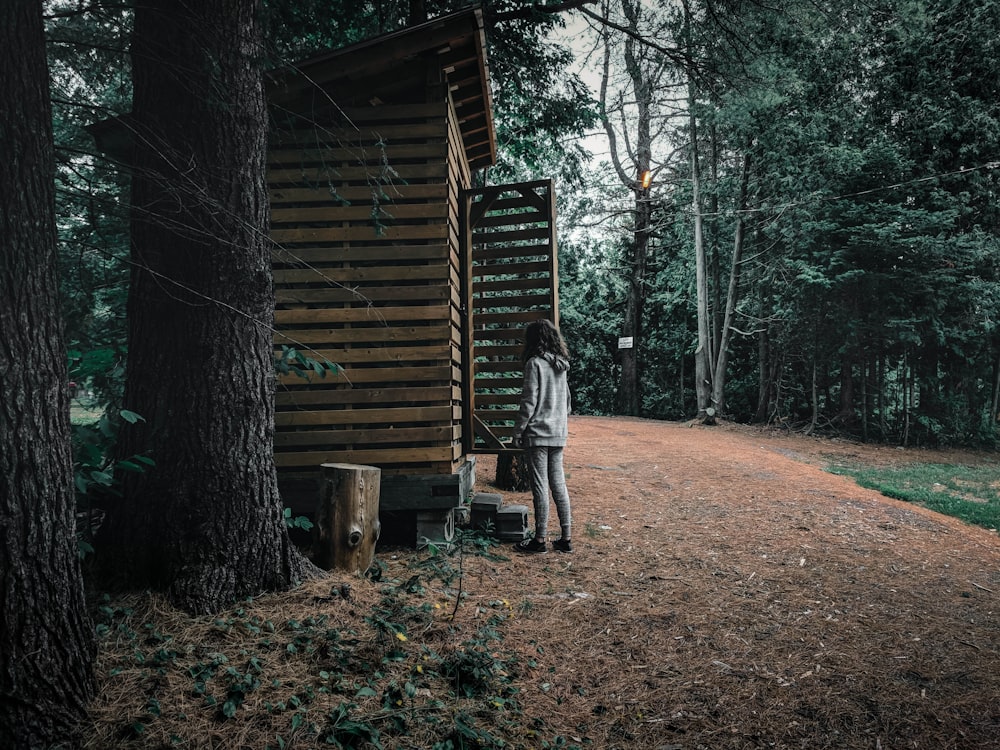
{"points": [[817, 248], [822, 225]]}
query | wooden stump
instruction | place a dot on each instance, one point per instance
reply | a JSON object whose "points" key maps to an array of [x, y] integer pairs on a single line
{"points": [[347, 525], [512, 471]]}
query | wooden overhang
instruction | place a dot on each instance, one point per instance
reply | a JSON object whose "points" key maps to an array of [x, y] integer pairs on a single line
{"points": [[380, 71]]}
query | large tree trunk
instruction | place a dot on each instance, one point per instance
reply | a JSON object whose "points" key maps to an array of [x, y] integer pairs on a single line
{"points": [[205, 524], [46, 642], [643, 83], [635, 302]]}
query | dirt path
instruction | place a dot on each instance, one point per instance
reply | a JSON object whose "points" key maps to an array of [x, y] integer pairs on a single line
{"points": [[726, 592]]}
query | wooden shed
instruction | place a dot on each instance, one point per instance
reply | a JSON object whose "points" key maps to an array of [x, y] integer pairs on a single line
{"points": [[389, 263]]}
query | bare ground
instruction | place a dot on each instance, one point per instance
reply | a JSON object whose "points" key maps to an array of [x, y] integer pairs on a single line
{"points": [[725, 592]]}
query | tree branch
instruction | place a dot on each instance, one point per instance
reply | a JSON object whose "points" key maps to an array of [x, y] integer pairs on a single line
{"points": [[526, 13]]}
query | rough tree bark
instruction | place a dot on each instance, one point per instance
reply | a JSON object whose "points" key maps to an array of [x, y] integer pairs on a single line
{"points": [[46, 642], [205, 524], [643, 77]]}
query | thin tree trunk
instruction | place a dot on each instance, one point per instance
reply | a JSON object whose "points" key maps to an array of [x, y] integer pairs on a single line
{"points": [[763, 358], [46, 641], [719, 380], [702, 362], [205, 524], [717, 312]]}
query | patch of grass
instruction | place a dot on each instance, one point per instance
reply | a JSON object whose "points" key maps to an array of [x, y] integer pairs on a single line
{"points": [[971, 493], [85, 412]]}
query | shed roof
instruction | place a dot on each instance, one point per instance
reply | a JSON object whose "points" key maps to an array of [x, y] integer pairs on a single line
{"points": [[372, 72]]}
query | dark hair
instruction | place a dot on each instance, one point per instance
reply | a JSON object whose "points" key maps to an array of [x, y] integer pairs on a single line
{"points": [[542, 337]]}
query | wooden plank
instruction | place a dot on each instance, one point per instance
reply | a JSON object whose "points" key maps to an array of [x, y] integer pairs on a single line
{"points": [[330, 438], [483, 254], [523, 316], [397, 254], [343, 356], [332, 176], [374, 335], [378, 153], [362, 295], [388, 212], [369, 417], [334, 193], [361, 376], [503, 285], [369, 457], [511, 269], [365, 233], [520, 235], [362, 315], [361, 274], [335, 135], [484, 433], [513, 219], [387, 113], [441, 395], [511, 301], [514, 203], [511, 351], [514, 367], [498, 382], [509, 402]]}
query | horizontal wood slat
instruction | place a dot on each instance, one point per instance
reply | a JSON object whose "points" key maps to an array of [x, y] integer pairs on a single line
{"points": [[387, 254], [333, 193], [377, 457], [360, 274], [360, 376], [401, 415], [333, 135], [379, 153], [374, 334], [393, 212], [327, 175], [334, 396], [362, 315], [399, 436], [367, 232], [362, 295]]}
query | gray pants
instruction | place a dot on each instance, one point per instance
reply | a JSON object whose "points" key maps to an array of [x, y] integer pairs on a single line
{"points": [[546, 466]]}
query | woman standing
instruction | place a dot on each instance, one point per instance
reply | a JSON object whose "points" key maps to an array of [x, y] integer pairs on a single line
{"points": [[542, 430]]}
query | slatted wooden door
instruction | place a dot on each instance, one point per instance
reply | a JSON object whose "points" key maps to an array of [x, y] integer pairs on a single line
{"points": [[512, 279]]}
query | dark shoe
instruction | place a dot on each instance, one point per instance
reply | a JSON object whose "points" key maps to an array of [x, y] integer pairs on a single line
{"points": [[530, 547], [562, 545]]}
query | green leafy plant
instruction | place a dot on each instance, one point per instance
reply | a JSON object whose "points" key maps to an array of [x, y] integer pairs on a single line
{"points": [[296, 522], [95, 469], [291, 361]]}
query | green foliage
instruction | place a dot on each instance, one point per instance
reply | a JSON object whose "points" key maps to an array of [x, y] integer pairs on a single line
{"points": [[96, 470], [966, 492], [296, 522], [369, 687], [291, 361]]}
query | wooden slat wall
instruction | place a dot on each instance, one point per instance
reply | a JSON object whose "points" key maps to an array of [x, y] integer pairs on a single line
{"points": [[367, 275], [514, 280]]}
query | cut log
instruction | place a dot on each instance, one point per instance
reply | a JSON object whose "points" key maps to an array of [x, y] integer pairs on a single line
{"points": [[512, 471], [347, 524]]}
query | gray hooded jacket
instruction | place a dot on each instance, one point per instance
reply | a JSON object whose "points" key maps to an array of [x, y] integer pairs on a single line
{"points": [[545, 403]]}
